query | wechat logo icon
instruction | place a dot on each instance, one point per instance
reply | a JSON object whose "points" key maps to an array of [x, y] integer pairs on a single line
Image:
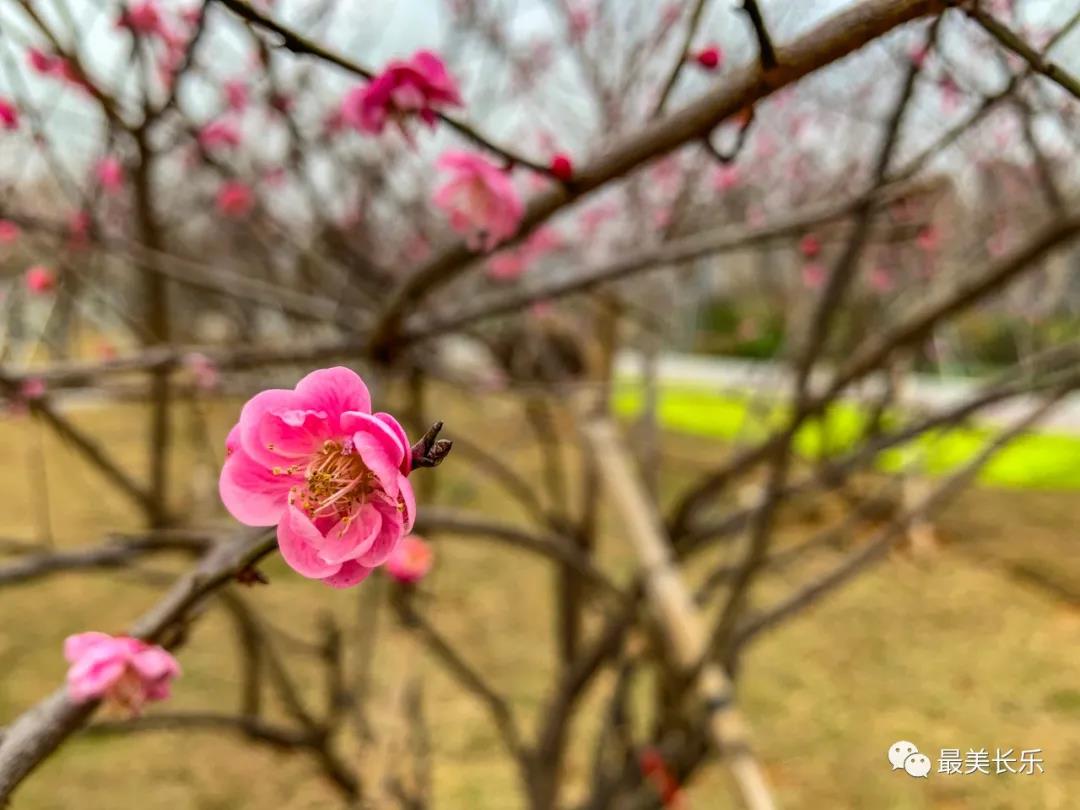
{"points": [[904, 755]]}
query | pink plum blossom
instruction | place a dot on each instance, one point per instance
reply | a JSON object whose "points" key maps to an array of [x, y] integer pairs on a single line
{"points": [[480, 200], [410, 561], [120, 669], [418, 86], [41, 62], [9, 232], [509, 264], [220, 134], [810, 246], [40, 280], [234, 199], [9, 115], [143, 18], [110, 174], [236, 95], [315, 461]]}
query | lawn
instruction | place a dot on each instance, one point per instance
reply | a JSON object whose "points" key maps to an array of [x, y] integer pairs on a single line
{"points": [[962, 650]]}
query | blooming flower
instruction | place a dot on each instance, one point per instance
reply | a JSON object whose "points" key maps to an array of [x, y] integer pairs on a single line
{"points": [[110, 173], [416, 86], [330, 474], [410, 561], [234, 199], [123, 670], [9, 115], [480, 200], [40, 279]]}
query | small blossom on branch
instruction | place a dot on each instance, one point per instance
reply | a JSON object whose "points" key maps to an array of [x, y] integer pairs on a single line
{"points": [[121, 670], [110, 174], [40, 280], [234, 199], [417, 87], [710, 57], [9, 115], [411, 560], [315, 461], [9, 232], [480, 200]]}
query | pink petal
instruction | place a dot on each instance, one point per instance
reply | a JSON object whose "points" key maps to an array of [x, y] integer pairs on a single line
{"points": [[349, 540], [408, 499], [378, 446], [76, 646], [155, 664], [399, 431], [334, 391], [351, 573], [391, 530], [294, 433], [298, 540], [253, 413], [252, 493]]}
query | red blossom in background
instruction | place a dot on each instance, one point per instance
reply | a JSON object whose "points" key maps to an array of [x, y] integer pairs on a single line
{"points": [[220, 134], [710, 57], [236, 95], [810, 246], [110, 174], [235, 199], [417, 87], [40, 280], [480, 199], [9, 115], [9, 232], [562, 168]]}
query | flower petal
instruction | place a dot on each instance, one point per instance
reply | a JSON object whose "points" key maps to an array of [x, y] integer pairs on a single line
{"points": [[297, 540], [390, 533], [351, 573], [252, 493], [76, 646], [352, 536], [399, 431], [334, 391]]}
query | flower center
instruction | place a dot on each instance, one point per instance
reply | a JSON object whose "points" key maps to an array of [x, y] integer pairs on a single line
{"points": [[336, 479]]}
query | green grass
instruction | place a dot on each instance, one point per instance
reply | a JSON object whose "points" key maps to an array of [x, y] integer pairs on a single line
{"points": [[1038, 460]]}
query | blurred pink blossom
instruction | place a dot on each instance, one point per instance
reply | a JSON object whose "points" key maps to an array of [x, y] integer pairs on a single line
{"points": [[203, 370], [120, 670], [330, 474], [881, 279], [40, 280], [236, 95], [814, 275], [509, 264], [219, 134], [418, 86], [725, 178], [235, 199], [110, 174], [710, 57], [480, 199], [9, 115], [9, 232], [410, 561]]}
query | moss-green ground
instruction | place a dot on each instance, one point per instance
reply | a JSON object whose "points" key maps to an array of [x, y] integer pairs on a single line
{"points": [[975, 647]]}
